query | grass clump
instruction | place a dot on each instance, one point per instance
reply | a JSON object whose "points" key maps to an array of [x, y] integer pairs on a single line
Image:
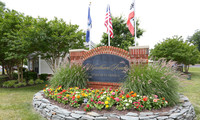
{"points": [[21, 84], [38, 81], [31, 82], [10, 83], [159, 78], [70, 76]]}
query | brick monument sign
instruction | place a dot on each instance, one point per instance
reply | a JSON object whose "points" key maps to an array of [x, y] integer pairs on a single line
{"points": [[107, 65]]}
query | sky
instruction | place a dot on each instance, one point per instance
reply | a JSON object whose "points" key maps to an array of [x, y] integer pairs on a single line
{"points": [[159, 18]]}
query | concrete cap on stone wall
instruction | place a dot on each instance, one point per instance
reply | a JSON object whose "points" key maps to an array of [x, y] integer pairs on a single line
{"points": [[78, 50], [138, 47]]}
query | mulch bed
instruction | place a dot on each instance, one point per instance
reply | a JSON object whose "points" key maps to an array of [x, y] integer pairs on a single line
{"points": [[113, 110]]}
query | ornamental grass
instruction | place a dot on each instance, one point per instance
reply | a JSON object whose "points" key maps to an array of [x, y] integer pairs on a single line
{"points": [[159, 78], [70, 76]]}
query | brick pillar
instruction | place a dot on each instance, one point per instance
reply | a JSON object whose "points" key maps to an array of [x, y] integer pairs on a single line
{"points": [[76, 55], [139, 54]]}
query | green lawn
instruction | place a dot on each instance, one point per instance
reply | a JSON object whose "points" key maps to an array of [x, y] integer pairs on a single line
{"points": [[191, 89], [16, 103]]}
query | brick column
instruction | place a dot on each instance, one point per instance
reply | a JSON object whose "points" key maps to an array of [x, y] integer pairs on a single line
{"points": [[139, 54], [76, 55]]}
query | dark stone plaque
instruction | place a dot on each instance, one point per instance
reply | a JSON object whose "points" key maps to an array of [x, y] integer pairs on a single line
{"points": [[106, 68]]}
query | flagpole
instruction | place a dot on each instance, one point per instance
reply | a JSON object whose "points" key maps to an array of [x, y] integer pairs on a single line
{"points": [[135, 24], [90, 47], [109, 38], [108, 29]]}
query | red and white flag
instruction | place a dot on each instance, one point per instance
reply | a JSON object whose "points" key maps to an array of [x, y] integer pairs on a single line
{"points": [[108, 22], [130, 21]]}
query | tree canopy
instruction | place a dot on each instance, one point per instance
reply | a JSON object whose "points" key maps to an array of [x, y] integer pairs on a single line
{"points": [[195, 39], [177, 50], [122, 36], [22, 35], [57, 38]]}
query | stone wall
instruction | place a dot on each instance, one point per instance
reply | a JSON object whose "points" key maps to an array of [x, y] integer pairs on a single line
{"points": [[184, 111]]}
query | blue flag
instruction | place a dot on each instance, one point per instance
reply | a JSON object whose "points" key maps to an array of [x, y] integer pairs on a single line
{"points": [[89, 26]]}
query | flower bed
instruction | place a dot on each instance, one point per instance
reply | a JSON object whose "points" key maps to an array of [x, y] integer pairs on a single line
{"points": [[104, 99]]}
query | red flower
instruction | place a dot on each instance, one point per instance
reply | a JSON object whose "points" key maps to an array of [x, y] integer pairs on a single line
{"points": [[128, 96], [84, 109], [163, 98], [88, 105], [145, 99], [112, 97]]}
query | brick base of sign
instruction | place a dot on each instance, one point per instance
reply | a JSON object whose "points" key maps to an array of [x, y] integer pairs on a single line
{"points": [[99, 85], [183, 111]]}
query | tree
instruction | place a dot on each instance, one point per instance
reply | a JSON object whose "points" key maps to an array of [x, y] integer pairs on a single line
{"points": [[122, 36], [195, 39], [177, 50], [2, 7], [14, 47], [55, 38]]}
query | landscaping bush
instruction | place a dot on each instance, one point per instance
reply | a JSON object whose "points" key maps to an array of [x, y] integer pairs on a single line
{"points": [[38, 81], [3, 79], [21, 84], [70, 76], [43, 76], [30, 75], [31, 82], [9, 83], [159, 78], [15, 76]]}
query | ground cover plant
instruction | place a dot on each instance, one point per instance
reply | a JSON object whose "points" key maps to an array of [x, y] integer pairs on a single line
{"points": [[14, 83], [104, 99], [159, 78]]}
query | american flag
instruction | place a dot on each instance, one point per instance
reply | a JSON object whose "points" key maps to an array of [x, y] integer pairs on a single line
{"points": [[108, 22]]}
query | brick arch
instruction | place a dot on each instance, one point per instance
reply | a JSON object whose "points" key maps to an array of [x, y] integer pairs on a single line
{"points": [[106, 50]]}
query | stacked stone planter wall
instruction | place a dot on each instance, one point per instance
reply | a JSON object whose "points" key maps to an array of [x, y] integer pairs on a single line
{"points": [[184, 111]]}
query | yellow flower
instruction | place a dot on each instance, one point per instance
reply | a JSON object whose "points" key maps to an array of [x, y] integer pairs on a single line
{"points": [[106, 102], [122, 97], [107, 106], [67, 95], [70, 88], [89, 93], [108, 98]]}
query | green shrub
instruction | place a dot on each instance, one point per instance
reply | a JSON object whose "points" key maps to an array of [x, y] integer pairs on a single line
{"points": [[38, 81], [15, 76], [9, 83], [30, 75], [21, 84], [159, 78], [70, 76], [43, 76], [31, 82], [3, 79]]}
